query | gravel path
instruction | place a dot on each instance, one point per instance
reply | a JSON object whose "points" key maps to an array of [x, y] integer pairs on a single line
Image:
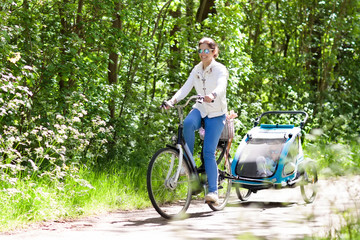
{"points": [[269, 214]]}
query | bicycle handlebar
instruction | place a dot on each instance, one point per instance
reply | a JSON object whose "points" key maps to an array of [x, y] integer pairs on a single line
{"points": [[199, 99], [179, 107]]}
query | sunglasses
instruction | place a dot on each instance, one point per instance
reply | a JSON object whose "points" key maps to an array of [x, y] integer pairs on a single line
{"points": [[206, 51], [274, 151]]}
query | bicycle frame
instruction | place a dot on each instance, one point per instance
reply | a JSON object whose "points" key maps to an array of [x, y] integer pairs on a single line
{"points": [[184, 150], [182, 147]]}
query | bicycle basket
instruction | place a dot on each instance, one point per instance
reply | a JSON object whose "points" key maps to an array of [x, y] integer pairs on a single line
{"points": [[227, 133], [229, 130]]}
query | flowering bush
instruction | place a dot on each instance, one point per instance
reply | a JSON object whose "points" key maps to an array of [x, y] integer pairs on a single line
{"points": [[31, 148]]}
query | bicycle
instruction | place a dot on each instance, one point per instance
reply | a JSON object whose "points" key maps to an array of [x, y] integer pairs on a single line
{"points": [[173, 177]]}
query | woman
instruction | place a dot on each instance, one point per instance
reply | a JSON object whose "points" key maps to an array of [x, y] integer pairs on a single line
{"points": [[209, 78]]}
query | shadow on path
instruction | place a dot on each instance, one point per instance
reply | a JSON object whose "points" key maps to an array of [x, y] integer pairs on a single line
{"points": [[262, 204]]}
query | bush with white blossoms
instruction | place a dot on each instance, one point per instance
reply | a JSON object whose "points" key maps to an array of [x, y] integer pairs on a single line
{"points": [[30, 149]]}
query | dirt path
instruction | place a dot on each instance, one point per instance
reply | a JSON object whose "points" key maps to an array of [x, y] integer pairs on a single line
{"points": [[269, 214]]}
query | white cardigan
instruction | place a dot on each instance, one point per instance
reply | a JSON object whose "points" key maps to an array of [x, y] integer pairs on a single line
{"points": [[211, 80]]}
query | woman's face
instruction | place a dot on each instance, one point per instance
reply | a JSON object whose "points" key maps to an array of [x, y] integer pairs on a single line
{"points": [[206, 54]]}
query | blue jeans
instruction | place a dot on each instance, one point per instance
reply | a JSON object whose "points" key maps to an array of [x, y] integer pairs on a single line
{"points": [[213, 129]]}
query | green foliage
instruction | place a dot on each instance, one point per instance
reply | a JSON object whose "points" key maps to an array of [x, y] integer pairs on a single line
{"points": [[280, 55], [335, 159], [63, 107]]}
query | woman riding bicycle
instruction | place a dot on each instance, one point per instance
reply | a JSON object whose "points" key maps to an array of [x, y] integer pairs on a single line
{"points": [[209, 78]]}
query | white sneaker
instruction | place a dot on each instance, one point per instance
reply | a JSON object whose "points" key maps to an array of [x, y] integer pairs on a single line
{"points": [[212, 198], [182, 171]]}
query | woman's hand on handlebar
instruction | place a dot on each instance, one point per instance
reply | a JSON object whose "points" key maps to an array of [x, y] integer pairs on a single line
{"points": [[167, 104], [209, 98]]}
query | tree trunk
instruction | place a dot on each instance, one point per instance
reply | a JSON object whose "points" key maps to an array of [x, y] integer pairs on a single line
{"points": [[206, 7], [63, 31], [78, 23], [113, 60], [174, 59]]}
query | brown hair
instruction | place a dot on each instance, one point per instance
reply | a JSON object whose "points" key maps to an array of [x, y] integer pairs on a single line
{"points": [[212, 44]]}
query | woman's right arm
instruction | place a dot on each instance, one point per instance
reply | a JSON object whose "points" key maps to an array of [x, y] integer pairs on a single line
{"points": [[185, 89]]}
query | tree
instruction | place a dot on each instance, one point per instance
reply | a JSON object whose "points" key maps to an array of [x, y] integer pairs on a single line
{"points": [[206, 7], [120, 59], [114, 56]]}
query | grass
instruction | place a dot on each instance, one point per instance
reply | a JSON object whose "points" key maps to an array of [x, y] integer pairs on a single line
{"points": [[350, 229], [338, 159], [44, 199]]}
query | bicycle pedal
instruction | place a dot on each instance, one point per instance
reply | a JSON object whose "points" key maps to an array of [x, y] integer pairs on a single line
{"points": [[201, 169]]}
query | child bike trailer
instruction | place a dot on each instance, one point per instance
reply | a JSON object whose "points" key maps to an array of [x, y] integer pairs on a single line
{"points": [[271, 156]]}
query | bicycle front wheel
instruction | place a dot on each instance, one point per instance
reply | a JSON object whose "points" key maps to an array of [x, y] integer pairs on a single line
{"points": [[170, 196]]}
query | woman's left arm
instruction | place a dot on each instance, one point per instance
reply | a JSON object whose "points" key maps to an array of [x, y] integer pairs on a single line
{"points": [[222, 76]]}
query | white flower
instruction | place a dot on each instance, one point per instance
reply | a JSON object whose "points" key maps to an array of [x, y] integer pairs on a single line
{"points": [[26, 67], [15, 58], [34, 131], [76, 119], [11, 139], [2, 112], [39, 150], [12, 191], [59, 117], [4, 88], [33, 165]]}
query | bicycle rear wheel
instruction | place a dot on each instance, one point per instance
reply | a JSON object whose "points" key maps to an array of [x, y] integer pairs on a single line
{"points": [[224, 182], [170, 197], [308, 184]]}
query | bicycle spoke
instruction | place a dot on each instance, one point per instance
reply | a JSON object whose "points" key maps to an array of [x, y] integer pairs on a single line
{"points": [[170, 198]]}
